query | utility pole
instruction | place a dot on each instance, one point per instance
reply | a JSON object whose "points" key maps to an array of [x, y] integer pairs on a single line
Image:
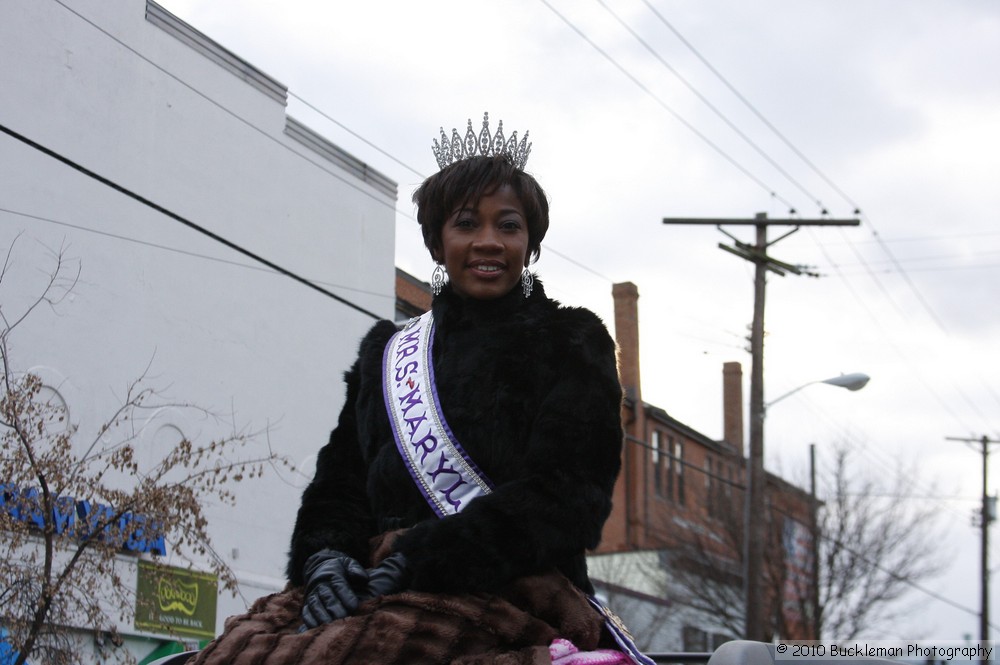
{"points": [[755, 506], [817, 618], [986, 516]]}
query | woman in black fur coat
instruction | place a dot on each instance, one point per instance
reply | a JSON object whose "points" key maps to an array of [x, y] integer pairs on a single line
{"points": [[530, 391]]}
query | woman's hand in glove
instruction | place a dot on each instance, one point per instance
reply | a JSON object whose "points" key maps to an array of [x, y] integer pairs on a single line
{"points": [[333, 584], [390, 576]]}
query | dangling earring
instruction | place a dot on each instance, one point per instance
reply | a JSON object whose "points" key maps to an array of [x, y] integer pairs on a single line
{"points": [[437, 279], [527, 282]]}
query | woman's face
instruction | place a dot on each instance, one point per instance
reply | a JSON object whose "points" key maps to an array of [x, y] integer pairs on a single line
{"points": [[485, 248]]}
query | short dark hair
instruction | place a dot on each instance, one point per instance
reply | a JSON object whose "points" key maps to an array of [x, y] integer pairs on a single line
{"points": [[463, 183]]}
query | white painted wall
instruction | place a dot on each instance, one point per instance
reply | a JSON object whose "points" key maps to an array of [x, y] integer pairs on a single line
{"points": [[97, 82], [653, 606]]}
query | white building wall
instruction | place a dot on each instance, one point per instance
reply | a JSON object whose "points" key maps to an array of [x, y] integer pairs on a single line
{"points": [[638, 586], [145, 102]]}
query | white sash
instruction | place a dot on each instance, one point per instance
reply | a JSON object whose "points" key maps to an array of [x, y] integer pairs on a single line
{"points": [[445, 474]]}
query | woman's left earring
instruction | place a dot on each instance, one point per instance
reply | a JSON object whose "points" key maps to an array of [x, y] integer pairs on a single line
{"points": [[437, 279], [527, 282]]}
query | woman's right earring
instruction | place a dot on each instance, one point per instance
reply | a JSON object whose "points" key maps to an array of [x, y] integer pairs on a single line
{"points": [[437, 279]]}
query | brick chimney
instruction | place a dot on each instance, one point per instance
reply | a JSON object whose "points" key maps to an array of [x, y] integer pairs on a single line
{"points": [[626, 297], [624, 529], [732, 405]]}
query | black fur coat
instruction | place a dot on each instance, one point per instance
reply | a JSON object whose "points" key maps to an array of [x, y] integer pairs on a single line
{"points": [[531, 391]]}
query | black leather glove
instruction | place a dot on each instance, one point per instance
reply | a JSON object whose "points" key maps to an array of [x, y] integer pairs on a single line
{"points": [[390, 576], [333, 582]]}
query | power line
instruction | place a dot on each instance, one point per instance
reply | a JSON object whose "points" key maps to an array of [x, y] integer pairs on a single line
{"points": [[878, 323], [358, 136], [940, 236], [872, 274], [578, 264], [857, 209], [937, 257], [667, 108], [174, 216], [770, 160], [878, 239], [267, 135], [916, 585], [774, 507], [890, 465], [750, 106], [986, 517], [175, 250], [284, 272], [972, 266], [350, 182], [868, 271]]}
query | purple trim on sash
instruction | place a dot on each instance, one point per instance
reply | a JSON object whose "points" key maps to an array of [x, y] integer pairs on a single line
{"points": [[386, 378], [444, 472], [620, 633]]}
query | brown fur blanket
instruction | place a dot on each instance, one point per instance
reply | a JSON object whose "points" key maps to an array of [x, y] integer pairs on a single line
{"points": [[512, 628]]}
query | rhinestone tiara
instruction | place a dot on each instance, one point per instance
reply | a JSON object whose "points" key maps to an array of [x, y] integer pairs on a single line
{"points": [[458, 148]]}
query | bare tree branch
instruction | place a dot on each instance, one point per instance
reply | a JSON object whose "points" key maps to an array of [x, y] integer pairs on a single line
{"points": [[54, 575], [873, 545]]}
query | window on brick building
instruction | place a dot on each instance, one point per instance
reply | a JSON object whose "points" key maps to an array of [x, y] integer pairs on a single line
{"points": [[723, 489], [696, 639], [669, 472], [710, 483], [678, 464], [728, 499], [670, 469], [657, 456]]}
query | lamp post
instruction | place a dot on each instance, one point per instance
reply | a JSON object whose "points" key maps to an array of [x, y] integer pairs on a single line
{"points": [[756, 502], [852, 381]]}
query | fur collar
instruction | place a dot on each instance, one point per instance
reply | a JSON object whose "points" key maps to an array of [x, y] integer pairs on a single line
{"points": [[451, 309]]}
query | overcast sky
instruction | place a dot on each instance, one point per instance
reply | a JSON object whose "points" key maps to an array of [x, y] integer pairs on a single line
{"points": [[684, 108]]}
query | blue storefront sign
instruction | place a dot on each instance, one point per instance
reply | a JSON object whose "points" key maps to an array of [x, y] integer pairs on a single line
{"points": [[84, 519], [7, 653]]}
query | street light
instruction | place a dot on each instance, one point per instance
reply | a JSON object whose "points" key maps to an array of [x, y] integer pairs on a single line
{"points": [[756, 500], [852, 381]]}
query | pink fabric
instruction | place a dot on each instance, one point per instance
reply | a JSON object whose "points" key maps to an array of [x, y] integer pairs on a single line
{"points": [[564, 652]]}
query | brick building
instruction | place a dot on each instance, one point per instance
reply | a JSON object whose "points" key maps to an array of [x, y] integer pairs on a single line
{"points": [[413, 297], [672, 548]]}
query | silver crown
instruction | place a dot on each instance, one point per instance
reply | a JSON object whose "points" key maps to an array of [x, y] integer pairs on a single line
{"points": [[448, 152]]}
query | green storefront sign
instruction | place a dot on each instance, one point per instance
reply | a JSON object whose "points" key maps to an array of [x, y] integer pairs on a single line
{"points": [[175, 601]]}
